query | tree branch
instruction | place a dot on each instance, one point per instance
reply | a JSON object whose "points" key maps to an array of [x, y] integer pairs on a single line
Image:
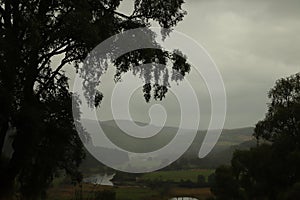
{"points": [[56, 72], [56, 51], [127, 17], [7, 14], [2, 11], [121, 15], [48, 57]]}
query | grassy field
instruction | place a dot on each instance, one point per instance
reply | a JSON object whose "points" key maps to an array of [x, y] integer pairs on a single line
{"points": [[67, 192], [126, 193], [176, 176], [60, 191], [135, 193]]}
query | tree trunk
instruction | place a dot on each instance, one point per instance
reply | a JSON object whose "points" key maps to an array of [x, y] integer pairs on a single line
{"points": [[3, 131], [8, 175]]}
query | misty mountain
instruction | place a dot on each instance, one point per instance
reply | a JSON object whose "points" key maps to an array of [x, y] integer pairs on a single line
{"points": [[229, 140]]}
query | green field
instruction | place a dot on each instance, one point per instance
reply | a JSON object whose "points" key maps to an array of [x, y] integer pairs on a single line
{"points": [[176, 176], [127, 193], [61, 191], [135, 193], [67, 192]]}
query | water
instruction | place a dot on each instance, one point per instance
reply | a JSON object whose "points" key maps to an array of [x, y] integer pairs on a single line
{"points": [[99, 179]]}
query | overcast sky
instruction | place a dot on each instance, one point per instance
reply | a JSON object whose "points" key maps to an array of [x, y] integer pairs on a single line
{"points": [[253, 43]]}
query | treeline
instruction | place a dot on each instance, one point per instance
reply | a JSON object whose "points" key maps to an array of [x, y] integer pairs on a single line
{"points": [[271, 170]]}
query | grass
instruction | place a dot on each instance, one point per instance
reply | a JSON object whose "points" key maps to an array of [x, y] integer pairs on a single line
{"points": [[66, 192], [129, 193], [199, 193], [135, 193], [176, 176], [61, 191]]}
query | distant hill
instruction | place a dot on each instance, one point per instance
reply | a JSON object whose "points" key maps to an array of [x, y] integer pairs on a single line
{"points": [[228, 137], [223, 157], [229, 140]]}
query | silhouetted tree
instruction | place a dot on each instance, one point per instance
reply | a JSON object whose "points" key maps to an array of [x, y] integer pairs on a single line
{"points": [[282, 122], [201, 181], [257, 172], [34, 93], [211, 179], [226, 187], [293, 193], [270, 170], [281, 128]]}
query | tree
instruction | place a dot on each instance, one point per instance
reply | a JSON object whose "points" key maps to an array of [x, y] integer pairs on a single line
{"points": [[226, 187], [282, 121], [293, 193], [201, 181], [211, 179], [34, 94], [271, 170], [257, 172], [281, 127]]}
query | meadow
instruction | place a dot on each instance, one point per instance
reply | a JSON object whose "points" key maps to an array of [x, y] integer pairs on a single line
{"points": [[137, 190], [178, 175], [126, 193]]}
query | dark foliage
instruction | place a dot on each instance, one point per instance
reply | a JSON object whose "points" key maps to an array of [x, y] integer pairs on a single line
{"points": [[272, 169], [34, 93]]}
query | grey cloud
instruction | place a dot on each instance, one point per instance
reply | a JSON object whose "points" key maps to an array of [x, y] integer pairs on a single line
{"points": [[253, 43]]}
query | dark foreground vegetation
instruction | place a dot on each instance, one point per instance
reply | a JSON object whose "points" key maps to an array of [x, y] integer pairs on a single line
{"points": [[35, 97], [271, 170]]}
